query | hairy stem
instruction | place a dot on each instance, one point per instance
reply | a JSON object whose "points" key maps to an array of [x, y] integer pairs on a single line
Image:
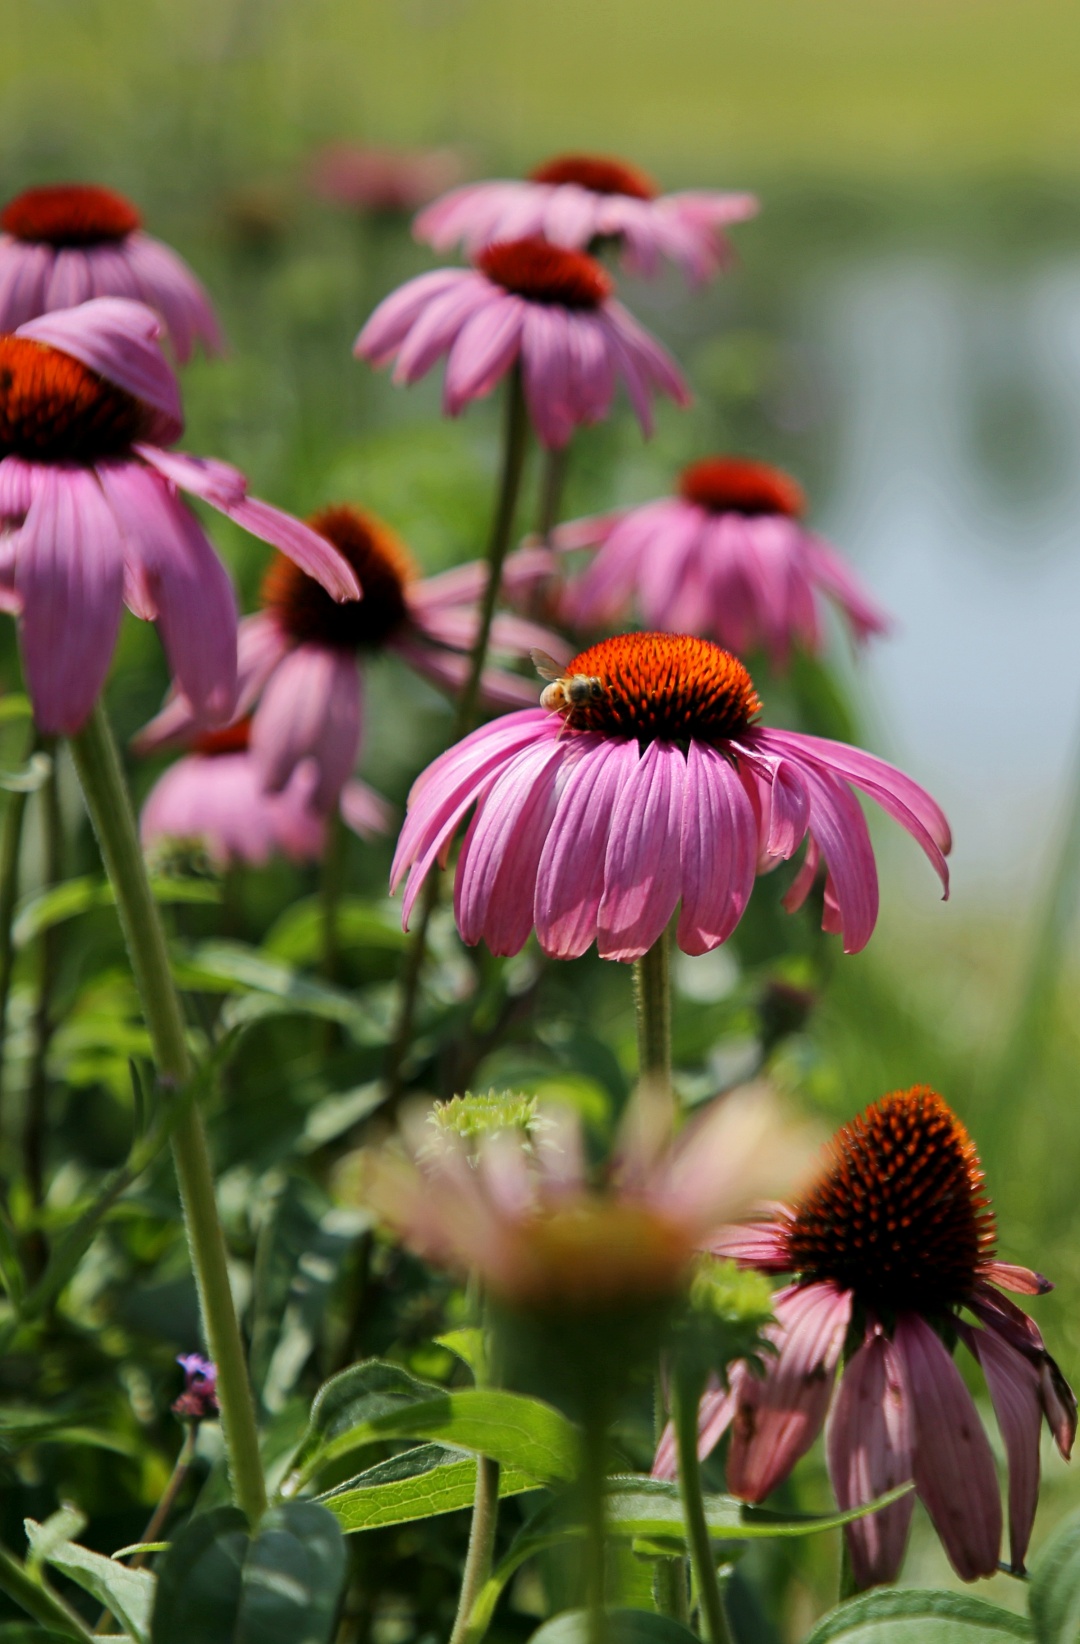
{"points": [[105, 791], [594, 1505], [652, 1000], [684, 1407], [515, 441], [481, 1543]]}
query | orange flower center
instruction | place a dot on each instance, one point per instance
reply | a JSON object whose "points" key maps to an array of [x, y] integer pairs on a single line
{"points": [[306, 611], [55, 409], [657, 687], [599, 173], [544, 273], [230, 739], [70, 214], [900, 1216], [736, 485], [598, 1254]]}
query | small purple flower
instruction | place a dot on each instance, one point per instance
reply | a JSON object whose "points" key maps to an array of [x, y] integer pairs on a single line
{"points": [[198, 1401]]}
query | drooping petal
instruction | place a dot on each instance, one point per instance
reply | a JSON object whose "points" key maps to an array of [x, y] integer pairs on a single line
{"points": [[643, 865], [1022, 1280], [483, 351], [496, 873], [954, 1465], [718, 849], [309, 709], [69, 579], [545, 362], [869, 1443], [570, 877], [365, 811], [781, 1414], [433, 332], [390, 323], [838, 825], [1014, 1392]]}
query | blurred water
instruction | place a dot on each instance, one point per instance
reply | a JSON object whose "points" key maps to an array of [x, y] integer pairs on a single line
{"points": [[958, 493]]}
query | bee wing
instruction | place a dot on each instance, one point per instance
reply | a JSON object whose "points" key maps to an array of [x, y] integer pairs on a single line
{"points": [[545, 665]]}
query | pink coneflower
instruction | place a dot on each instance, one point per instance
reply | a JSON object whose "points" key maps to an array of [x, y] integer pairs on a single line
{"points": [[580, 200], [215, 798], [90, 518], [649, 784], [517, 1206], [389, 180], [525, 300], [302, 659], [895, 1238], [64, 244], [729, 557]]}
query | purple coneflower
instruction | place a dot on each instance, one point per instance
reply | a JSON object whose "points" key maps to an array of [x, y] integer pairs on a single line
{"points": [[90, 517], [896, 1237], [63, 244], [729, 557], [215, 797], [649, 784], [550, 308], [387, 180], [302, 659], [578, 200]]}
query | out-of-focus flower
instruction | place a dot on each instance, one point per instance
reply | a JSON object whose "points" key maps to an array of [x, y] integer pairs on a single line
{"points": [[90, 518], [516, 1205], [647, 783], [302, 658], [390, 180], [215, 798], [891, 1243], [729, 557], [524, 300], [62, 245], [580, 200], [198, 1401]]}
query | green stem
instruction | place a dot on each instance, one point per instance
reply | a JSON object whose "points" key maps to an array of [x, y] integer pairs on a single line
{"points": [[684, 1409], [105, 791], [652, 999], [333, 864], [515, 443], [594, 1505], [39, 1601], [481, 1543], [10, 847], [35, 1124], [848, 1585], [552, 481]]}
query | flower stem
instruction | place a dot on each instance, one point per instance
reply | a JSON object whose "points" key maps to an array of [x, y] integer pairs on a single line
{"points": [[105, 791], [10, 848], [594, 1504], [481, 1542], [35, 1125], [684, 1408], [652, 999], [552, 480], [515, 442]]}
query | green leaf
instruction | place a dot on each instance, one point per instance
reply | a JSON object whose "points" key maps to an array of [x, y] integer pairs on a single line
{"points": [[58, 1527], [129, 1594], [360, 1394], [468, 1346], [27, 778], [44, 909], [914, 1616], [623, 1627], [418, 1483], [199, 1582], [298, 936], [28, 1632], [330, 1117], [516, 1431], [1055, 1586], [292, 1578], [650, 1508], [270, 988]]}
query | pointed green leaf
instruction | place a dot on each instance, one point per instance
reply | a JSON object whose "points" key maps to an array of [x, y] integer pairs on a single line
{"points": [[200, 1580], [129, 1594], [418, 1483], [292, 1578], [271, 988], [914, 1616], [650, 1508], [1055, 1586]]}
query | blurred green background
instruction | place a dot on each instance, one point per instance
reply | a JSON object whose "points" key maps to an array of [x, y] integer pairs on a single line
{"points": [[902, 330]]}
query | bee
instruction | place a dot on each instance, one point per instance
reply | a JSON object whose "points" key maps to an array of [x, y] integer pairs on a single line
{"points": [[566, 691]]}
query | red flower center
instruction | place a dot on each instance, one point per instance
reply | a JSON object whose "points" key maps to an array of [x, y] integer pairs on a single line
{"points": [[900, 1216], [599, 173], [306, 611], [544, 273], [737, 485], [656, 687], [230, 739], [70, 214], [55, 409]]}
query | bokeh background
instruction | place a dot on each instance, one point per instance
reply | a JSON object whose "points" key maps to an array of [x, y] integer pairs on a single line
{"points": [[902, 330]]}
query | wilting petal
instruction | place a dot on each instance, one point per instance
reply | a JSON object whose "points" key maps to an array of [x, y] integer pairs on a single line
{"points": [[69, 578], [643, 867], [780, 1416], [1014, 1392], [869, 1447], [954, 1466], [719, 850], [1022, 1280]]}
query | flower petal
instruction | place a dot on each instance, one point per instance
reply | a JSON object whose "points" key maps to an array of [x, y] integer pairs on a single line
{"points": [[570, 878], [869, 1446], [310, 708], [496, 873], [643, 865], [718, 850], [120, 340], [1014, 1392]]}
